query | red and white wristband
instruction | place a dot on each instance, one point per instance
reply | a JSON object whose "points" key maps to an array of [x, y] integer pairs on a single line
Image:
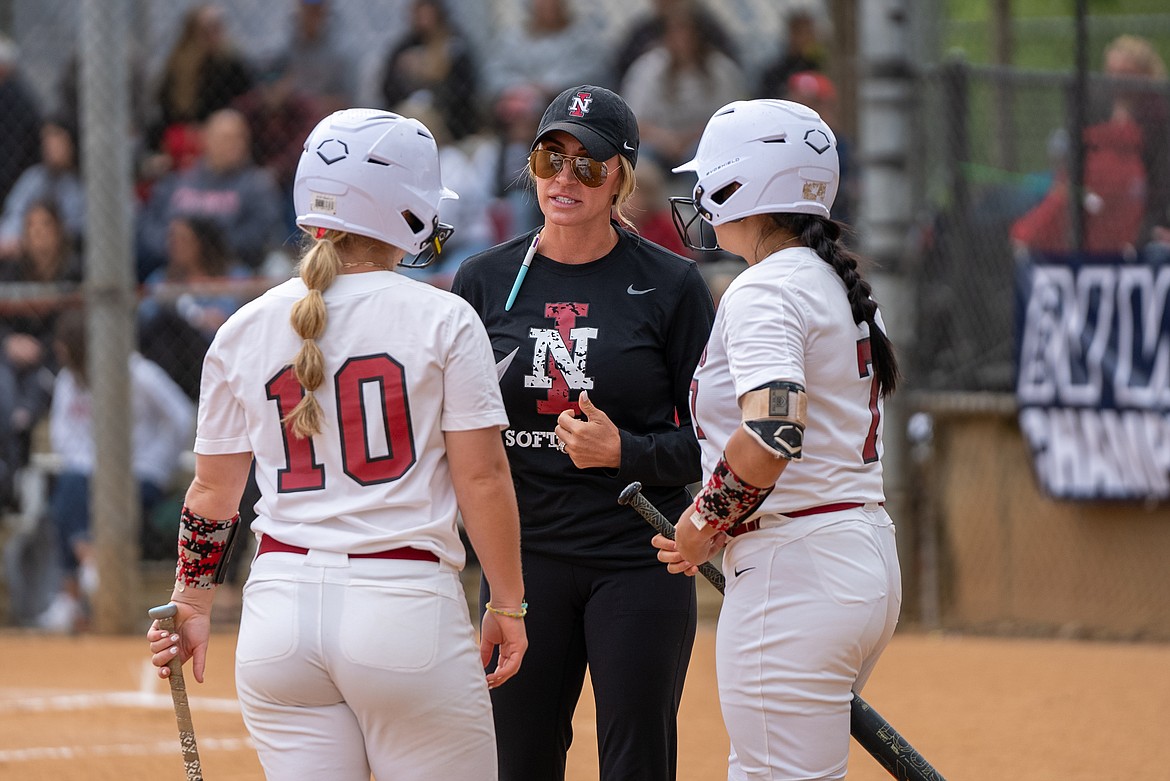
{"points": [[204, 549], [726, 500]]}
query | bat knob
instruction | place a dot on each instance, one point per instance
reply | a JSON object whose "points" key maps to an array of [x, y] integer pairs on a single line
{"points": [[629, 492], [163, 611]]}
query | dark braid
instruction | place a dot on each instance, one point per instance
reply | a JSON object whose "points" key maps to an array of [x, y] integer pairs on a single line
{"points": [[823, 237]]}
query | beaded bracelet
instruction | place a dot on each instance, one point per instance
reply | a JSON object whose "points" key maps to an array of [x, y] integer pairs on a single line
{"points": [[523, 611]]}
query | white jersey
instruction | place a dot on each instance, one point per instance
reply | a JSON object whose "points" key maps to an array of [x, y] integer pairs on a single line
{"points": [[788, 319], [404, 362]]}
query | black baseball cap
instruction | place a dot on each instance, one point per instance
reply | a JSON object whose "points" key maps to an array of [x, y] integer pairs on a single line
{"points": [[596, 117]]}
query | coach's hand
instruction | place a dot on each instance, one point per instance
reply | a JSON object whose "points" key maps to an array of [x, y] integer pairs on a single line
{"points": [[592, 442], [511, 637], [192, 631]]}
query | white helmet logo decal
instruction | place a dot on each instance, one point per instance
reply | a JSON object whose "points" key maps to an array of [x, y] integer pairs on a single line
{"points": [[817, 140], [331, 150], [815, 191]]}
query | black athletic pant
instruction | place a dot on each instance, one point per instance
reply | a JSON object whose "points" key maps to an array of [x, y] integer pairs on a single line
{"points": [[634, 628]]}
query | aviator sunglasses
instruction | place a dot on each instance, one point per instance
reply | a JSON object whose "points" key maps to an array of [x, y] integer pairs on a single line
{"points": [[546, 164]]}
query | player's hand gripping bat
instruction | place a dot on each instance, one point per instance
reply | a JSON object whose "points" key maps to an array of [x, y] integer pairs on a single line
{"points": [[165, 615], [868, 728]]}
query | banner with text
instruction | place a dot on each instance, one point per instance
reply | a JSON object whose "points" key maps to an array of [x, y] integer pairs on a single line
{"points": [[1093, 376]]}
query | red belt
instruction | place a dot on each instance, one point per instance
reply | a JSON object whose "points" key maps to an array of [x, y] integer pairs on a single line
{"points": [[273, 545], [754, 524]]}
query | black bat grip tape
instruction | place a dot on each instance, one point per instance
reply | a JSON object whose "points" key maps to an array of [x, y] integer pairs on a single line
{"points": [[632, 496]]}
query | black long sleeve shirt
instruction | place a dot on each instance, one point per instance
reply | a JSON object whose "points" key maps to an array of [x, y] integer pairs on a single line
{"points": [[629, 328]]}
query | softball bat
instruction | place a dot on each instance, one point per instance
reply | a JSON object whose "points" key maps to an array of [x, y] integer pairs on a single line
{"points": [[165, 615]]}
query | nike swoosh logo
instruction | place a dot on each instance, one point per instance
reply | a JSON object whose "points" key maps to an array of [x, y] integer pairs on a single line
{"points": [[739, 572], [634, 292], [627, 147], [503, 364]]}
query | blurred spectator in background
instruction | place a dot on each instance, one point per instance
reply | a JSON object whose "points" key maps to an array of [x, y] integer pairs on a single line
{"points": [[1126, 163], [650, 209], [280, 115], [21, 126], [433, 64], [46, 251], [676, 86], [225, 185], [56, 178], [552, 51], [646, 32], [516, 116], [188, 299], [163, 427], [203, 73], [803, 50], [46, 257], [318, 60], [1114, 200], [1139, 95], [195, 281]]}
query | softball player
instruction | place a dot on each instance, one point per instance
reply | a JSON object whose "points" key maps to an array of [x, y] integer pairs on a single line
{"points": [[372, 419], [787, 405]]}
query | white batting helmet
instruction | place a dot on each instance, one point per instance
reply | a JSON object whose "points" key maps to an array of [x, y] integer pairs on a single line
{"points": [[781, 154], [373, 173]]}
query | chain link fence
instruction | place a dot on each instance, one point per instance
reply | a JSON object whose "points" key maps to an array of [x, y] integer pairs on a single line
{"points": [[151, 148], [997, 148]]}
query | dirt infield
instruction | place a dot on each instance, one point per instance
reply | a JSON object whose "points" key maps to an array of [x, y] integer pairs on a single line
{"points": [[977, 708]]}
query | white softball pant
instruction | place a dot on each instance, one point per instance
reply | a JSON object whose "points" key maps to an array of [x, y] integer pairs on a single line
{"points": [[810, 605], [350, 666]]}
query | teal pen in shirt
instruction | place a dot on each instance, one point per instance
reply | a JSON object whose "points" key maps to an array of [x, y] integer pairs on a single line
{"points": [[528, 256]]}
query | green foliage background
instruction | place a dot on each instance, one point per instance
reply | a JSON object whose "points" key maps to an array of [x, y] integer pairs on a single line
{"points": [[1044, 29]]}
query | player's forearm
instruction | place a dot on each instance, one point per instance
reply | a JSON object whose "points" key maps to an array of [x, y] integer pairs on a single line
{"points": [[487, 500], [494, 532], [748, 459]]}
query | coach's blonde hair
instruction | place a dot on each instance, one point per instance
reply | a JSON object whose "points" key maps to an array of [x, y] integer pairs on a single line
{"points": [[625, 192]]}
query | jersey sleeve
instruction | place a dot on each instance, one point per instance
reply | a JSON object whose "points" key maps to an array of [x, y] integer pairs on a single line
{"points": [[764, 332], [673, 457], [222, 426], [471, 392]]}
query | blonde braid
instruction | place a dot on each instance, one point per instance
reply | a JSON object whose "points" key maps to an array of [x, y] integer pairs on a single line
{"points": [[318, 268]]}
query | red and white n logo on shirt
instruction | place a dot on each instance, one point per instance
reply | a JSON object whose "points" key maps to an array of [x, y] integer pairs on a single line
{"points": [[558, 360]]}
